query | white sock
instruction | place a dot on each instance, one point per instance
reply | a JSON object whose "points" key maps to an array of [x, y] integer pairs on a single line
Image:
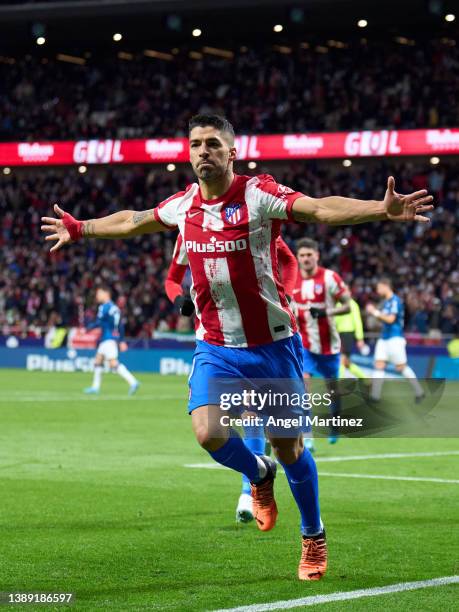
{"points": [[262, 469], [377, 384], [408, 373], [311, 535], [124, 373], [97, 377]]}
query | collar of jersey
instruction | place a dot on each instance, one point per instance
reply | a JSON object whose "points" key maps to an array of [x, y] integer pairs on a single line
{"points": [[224, 196]]}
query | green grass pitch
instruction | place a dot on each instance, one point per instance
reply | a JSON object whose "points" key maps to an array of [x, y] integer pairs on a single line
{"points": [[96, 500]]}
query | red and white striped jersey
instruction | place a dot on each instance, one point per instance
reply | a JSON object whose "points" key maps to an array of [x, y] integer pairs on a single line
{"points": [[322, 290], [230, 244], [288, 268]]}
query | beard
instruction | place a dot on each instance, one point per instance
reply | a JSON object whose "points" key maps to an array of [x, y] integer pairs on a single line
{"points": [[209, 173]]}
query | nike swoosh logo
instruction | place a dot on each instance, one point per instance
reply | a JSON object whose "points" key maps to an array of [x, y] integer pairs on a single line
{"points": [[191, 215]]}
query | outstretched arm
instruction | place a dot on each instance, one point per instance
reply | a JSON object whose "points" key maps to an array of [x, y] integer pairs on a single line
{"points": [[123, 224], [336, 210]]}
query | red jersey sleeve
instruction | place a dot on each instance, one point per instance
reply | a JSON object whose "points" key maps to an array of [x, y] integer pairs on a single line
{"points": [[166, 212], [337, 286], [177, 269], [288, 266]]}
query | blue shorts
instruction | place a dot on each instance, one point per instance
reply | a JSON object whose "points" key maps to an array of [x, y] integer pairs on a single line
{"points": [[282, 359], [326, 366]]}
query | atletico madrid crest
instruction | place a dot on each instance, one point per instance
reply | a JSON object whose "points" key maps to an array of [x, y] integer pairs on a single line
{"points": [[233, 213]]}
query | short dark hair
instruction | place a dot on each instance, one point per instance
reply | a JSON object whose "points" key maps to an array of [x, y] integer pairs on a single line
{"points": [[216, 121], [385, 280], [307, 243]]}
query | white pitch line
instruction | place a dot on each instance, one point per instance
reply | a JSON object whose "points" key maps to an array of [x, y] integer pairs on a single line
{"points": [[217, 466], [86, 398], [382, 477], [386, 456], [314, 600]]}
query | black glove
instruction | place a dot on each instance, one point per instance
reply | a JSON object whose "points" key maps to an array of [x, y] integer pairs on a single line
{"points": [[185, 304], [317, 313]]}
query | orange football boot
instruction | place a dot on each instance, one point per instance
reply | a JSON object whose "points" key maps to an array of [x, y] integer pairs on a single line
{"points": [[263, 502], [313, 562]]}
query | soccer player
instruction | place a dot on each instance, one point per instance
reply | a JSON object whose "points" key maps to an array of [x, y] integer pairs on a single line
{"points": [[317, 293], [244, 326], [391, 346], [350, 329], [109, 320], [254, 436]]}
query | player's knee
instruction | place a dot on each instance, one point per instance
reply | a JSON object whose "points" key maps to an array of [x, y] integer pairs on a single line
{"points": [[400, 367], [287, 450], [380, 365], [203, 434]]}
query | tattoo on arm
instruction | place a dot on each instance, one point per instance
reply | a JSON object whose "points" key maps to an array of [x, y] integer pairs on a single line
{"points": [[139, 217], [88, 228]]}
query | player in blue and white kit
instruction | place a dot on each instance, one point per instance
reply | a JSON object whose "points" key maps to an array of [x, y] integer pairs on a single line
{"points": [[391, 346], [109, 320]]}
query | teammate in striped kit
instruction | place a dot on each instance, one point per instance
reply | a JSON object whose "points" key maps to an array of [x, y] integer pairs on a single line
{"points": [[254, 436], [245, 328], [316, 294]]}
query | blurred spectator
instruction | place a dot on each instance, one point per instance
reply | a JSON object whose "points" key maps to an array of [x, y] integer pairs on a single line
{"points": [[37, 289], [363, 85]]}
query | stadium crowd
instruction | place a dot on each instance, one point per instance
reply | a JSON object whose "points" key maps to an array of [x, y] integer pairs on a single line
{"points": [[261, 90], [38, 290]]}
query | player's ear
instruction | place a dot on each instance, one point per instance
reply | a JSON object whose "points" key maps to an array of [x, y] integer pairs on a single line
{"points": [[232, 154]]}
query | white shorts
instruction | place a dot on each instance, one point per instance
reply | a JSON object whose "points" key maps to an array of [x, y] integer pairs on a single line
{"points": [[392, 350], [108, 349]]}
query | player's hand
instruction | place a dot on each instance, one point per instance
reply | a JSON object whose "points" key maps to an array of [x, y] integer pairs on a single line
{"points": [[370, 308], [185, 304], [123, 347], [409, 207], [56, 228], [317, 313], [363, 348]]}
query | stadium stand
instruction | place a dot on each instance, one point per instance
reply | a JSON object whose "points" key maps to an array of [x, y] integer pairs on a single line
{"points": [[423, 260], [262, 89]]}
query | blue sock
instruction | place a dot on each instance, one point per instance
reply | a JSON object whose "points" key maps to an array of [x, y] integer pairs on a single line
{"points": [[255, 441], [235, 455], [335, 411], [302, 478]]}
